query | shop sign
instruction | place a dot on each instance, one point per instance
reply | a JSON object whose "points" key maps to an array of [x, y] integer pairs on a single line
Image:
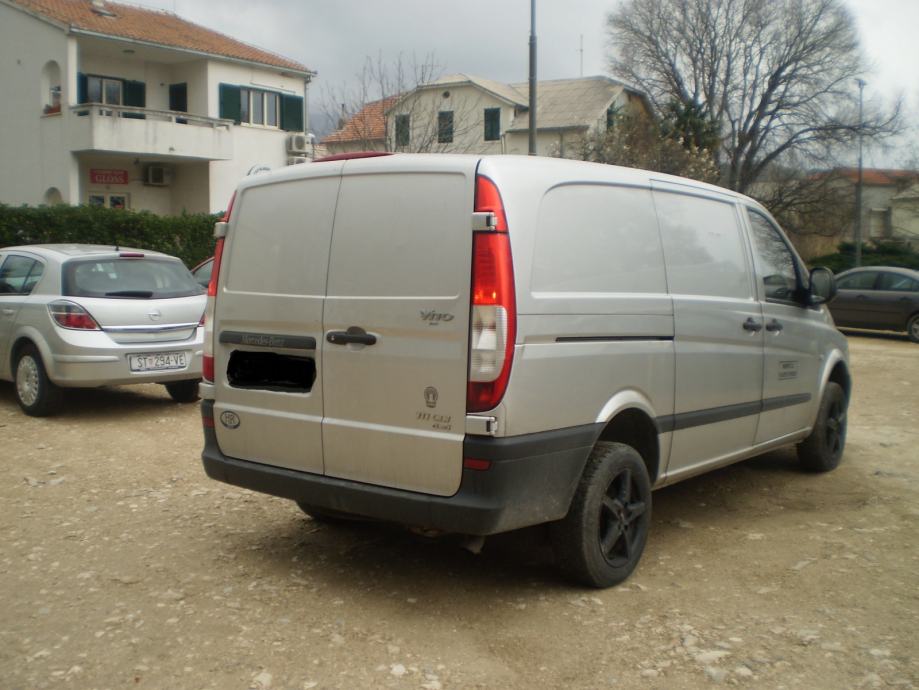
{"points": [[105, 176]]}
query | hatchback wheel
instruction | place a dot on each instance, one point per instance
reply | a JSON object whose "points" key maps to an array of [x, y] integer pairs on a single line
{"points": [[912, 328], [183, 391], [602, 538], [35, 393]]}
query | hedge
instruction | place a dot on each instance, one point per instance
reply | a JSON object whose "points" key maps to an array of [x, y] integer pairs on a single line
{"points": [[873, 254], [189, 236]]}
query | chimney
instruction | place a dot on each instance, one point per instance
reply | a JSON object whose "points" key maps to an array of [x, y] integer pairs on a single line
{"points": [[100, 8]]}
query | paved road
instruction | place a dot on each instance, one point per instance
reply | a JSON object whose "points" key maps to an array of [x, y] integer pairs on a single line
{"points": [[124, 566]]}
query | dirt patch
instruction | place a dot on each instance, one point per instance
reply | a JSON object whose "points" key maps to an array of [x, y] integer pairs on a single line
{"points": [[124, 566]]}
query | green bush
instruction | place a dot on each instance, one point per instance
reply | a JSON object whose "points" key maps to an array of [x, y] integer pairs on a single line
{"points": [[874, 254], [189, 236]]}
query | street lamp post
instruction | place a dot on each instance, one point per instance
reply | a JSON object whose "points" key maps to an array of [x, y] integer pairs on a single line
{"points": [[532, 142], [858, 188]]}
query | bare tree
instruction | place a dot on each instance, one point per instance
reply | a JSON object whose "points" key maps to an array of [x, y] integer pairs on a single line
{"points": [[776, 77]]}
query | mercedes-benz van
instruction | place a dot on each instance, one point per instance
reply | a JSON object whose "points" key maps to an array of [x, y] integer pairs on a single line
{"points": [[480, 343]]}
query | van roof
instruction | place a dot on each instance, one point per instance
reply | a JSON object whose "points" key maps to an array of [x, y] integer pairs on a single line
{"points": [[560, 168]]}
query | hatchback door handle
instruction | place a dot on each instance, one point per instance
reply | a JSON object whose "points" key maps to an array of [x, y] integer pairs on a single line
{"points": [[774, 326], [354, 334], [752, 325]]}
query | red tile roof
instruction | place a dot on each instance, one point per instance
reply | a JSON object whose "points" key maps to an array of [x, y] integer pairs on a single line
{"points": [[876, 177], [152, 26], [367, 125]]}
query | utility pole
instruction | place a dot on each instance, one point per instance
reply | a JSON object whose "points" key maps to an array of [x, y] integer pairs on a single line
{"points": [[532, 148], [858, 187]]}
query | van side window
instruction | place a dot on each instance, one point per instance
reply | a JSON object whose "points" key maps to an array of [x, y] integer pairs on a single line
{"points": [[702, 246], [775, 264], [597, 239]]}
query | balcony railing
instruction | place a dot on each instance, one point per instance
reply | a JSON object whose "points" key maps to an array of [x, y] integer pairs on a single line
{"points": [[105, 128], [134, 113]]}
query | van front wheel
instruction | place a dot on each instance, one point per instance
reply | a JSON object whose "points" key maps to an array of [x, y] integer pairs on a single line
{"points": [[822, 450], [601, 540]]}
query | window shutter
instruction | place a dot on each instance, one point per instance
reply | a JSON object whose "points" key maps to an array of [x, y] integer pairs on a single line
{"points": [[82, 88], [291, 113], [134, 94], [229, 102], [178, 97]]}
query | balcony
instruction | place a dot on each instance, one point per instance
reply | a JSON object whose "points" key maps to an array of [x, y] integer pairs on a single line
{"points": [[107, 128]]}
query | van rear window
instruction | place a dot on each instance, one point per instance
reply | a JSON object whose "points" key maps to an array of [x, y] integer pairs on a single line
{"points": [[128, 278]]}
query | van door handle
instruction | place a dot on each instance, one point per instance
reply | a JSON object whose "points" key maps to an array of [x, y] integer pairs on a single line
{"points": [[354, 334], [752, 325], [774, 326]]}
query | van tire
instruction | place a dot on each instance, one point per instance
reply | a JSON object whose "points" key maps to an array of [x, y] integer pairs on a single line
{"points": [[35, 393], [612, 503], [822, 450], [183, 391]]}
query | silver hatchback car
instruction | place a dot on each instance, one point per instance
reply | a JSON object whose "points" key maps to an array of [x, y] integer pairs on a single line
{"points": [[74, 315]]}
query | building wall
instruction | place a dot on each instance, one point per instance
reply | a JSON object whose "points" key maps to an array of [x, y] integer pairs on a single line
{"points": [[252, 144], [36, 148], [468, 104], [563, 144], [34, 159]]}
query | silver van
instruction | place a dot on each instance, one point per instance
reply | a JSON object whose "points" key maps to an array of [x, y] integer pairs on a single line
{"points": [[476, 344]]}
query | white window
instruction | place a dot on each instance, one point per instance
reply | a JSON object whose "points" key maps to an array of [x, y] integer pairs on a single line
{"points": [[108, 200], [258, 107]]}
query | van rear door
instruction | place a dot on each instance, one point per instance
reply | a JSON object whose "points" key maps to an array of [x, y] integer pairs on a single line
{"points": [[394, 352], [271, 286]]}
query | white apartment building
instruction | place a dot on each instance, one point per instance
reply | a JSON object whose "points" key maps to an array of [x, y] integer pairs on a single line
{"points": [[120, 106]]}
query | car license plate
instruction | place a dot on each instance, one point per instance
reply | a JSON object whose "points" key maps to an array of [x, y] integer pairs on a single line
{"points": [[158, 361]]}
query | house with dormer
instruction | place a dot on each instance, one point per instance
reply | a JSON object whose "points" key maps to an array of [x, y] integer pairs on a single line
{"points": [[121, 106]]}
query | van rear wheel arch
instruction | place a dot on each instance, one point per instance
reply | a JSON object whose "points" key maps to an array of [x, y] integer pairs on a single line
{"points": [[635, 428]]}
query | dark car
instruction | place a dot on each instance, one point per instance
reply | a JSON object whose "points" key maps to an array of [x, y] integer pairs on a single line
{"points": [[878, 297]]}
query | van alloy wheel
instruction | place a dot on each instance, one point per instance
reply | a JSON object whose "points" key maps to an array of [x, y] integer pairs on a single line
{"points": [[601, 539], [620, 528], [823, 449]]}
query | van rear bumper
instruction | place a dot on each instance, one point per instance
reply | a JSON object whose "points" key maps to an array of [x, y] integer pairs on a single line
{"points": [[531, 480]]}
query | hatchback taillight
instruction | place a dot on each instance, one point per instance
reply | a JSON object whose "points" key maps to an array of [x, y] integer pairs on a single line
{"points": [[72, 316], [493, 321]]}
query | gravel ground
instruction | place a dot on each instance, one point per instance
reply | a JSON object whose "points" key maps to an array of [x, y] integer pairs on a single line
{"points": [[124, 566]]}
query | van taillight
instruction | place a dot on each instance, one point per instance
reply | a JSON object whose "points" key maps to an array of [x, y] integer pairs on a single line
{"points": [[207, 362], [493, 322]]}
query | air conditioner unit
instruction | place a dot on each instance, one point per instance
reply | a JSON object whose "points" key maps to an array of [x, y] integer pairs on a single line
{"points": [[157, 176], [297, 160], [298, 143]]}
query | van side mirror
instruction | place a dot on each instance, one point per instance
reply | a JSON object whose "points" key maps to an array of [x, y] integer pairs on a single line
{"points": [[822, 287]]}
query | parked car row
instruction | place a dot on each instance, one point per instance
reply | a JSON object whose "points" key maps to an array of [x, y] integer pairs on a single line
{"points": [[87, 315]]}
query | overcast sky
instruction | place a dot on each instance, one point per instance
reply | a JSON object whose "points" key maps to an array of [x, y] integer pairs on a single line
{"points": [[489, 38]]}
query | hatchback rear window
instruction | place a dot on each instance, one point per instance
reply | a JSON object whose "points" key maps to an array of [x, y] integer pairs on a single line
{"points": [[128, 279]]}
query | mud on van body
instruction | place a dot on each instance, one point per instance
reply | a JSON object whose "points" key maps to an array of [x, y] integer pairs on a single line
{"points": [[478, 344]]}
